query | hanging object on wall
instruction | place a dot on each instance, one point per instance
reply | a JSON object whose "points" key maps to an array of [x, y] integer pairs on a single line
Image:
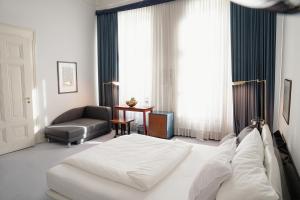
{"points": [[67, 77], [281, 6], [287, 100]]}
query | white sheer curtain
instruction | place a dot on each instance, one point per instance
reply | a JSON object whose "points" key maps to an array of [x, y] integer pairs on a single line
{"points": [[177, 55], [135, 56]]}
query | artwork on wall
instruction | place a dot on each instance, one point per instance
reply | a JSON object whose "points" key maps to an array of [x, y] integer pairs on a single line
{"points": [[67, 77], [287, 100]]}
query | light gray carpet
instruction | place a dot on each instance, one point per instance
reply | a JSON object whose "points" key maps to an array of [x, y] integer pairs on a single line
{"points": [[23, 173]]}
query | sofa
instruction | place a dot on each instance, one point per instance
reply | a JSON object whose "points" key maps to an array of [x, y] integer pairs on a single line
{"points": [[80, 124]]}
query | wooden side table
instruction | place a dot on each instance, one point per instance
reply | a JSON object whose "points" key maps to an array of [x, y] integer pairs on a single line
{"points": [[144, 110]]}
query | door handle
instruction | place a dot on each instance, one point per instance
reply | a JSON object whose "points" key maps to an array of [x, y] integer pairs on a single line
{"points": [[28, 100]]}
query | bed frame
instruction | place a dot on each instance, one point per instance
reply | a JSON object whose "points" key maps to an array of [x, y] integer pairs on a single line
{"points": [[290, 181], [55, 196]]}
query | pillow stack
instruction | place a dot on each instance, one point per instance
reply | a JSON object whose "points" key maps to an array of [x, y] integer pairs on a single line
{"points": [[248, 172], [214, 172], [249, 180], [270, 161], [244, 133]]}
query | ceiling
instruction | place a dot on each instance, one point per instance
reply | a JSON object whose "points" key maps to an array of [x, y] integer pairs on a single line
{"points": [[105, 4]]}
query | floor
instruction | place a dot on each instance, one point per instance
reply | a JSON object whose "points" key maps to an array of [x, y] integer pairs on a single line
{"points": [[22, 173]]}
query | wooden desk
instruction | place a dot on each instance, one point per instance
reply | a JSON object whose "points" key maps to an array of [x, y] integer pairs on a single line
{"points": [[144, 110]]}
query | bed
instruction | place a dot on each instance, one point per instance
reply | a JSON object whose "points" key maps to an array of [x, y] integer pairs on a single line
{"points": [[68, 182], [89, 175]]}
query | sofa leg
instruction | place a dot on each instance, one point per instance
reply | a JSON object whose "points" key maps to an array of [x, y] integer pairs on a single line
{"points": [[69, 144], [81, 141], [48, 140]]}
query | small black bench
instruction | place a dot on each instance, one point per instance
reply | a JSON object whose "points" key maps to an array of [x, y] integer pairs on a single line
{"points": [[123, 124]]}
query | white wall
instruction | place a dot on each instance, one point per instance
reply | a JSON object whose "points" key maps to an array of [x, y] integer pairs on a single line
{"points": [[106, 4], [289, 68], [65, 31]]}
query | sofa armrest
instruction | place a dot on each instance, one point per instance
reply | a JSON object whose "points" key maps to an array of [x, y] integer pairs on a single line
{"points": [[98, 112]]}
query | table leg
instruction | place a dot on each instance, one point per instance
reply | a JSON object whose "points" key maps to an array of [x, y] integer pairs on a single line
{"points": [[117, 129], [144, 120], [128, 129], [123, 128], [124, 115]]}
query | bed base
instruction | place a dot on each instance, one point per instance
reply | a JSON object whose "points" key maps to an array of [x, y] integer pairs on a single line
{"points": [[55, 196]]}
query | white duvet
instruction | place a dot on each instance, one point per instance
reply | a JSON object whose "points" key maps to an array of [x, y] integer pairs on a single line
{"points": [[134, 160]]}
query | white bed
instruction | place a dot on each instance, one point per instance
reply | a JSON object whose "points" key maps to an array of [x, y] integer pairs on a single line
{"points": [[145, 168], [68, 182]]}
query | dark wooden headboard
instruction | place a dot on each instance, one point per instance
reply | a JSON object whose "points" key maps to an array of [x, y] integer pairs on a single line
{"points": [[290, 180]]}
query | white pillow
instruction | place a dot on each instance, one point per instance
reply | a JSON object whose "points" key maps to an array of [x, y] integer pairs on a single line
{"points": [[253, 141], [270, 162], [273, 171], [227, 137], [267, 137], [213, 173], [249, 180]]}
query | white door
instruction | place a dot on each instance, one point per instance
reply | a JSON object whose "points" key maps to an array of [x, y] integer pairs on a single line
{"points": [[16, 84]]}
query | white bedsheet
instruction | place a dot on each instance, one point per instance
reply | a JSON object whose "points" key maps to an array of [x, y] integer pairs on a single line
{"points": [[77, 184], [135, 160]]}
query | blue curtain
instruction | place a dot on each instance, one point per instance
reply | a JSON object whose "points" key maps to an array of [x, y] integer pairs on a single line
{"points": [[253, 38], [108, 64]]}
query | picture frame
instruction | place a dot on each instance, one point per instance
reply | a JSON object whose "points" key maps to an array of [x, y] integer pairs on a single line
{"points": [[287, 100], [67, 77]]}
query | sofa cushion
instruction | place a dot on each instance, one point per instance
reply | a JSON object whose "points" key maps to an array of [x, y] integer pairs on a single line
{"points": [[89, 124], [64, 131], [80, 127], [70, 115]]}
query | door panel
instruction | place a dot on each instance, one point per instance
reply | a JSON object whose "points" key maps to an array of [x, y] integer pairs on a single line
{"points": [[14, 50], [16, 84], [1, 49], [4, 141], [20, 132], [2, 112], [16, 98], [2, 136]]}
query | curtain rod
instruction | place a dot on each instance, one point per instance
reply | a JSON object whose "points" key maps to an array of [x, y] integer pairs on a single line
{"points": [[140, 4]]}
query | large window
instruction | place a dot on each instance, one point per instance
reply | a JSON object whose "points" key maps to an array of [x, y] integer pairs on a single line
{"points": [[177, 56]]}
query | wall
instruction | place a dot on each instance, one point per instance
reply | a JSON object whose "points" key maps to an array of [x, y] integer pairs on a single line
{"points": [[65, 31], [106, 4], [288, 67]]}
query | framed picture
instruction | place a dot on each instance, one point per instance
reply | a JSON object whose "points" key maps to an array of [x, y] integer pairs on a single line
{"points": [[67, 77], [287, 100]]}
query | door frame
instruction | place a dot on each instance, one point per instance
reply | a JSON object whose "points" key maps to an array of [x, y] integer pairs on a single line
{"points": [[29, 34]]}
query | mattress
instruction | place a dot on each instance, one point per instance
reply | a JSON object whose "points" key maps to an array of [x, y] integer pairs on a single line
{"points": [[135, 160], [68, 182]]}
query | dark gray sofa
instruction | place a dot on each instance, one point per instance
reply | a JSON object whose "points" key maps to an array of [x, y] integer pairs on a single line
{"points": [[80, 124]]}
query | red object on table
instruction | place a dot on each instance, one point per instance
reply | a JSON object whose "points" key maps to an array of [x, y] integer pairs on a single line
{"points": [[144, 110]]}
